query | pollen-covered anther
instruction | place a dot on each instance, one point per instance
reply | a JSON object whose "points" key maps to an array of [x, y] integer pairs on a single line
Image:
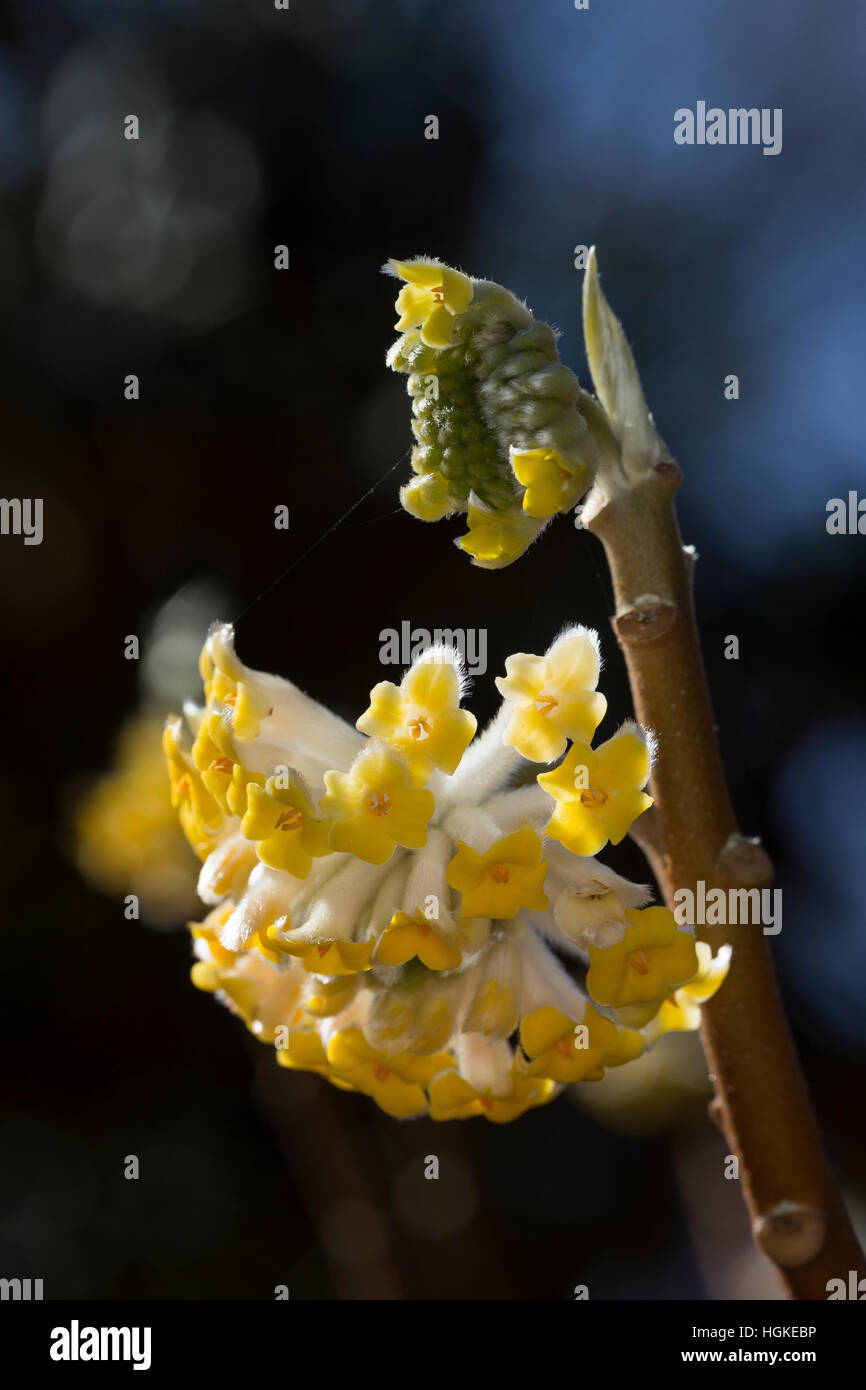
{"points": [[377, 803], [592, 796]]}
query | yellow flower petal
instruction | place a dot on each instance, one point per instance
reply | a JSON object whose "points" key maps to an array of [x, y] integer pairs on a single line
{"points": [[653, 957], [425, 273], [495, 539], [597, 793], [408, 936], [508, 877], [457, 289], [330, 957], [428, 497], [433, 296], [287, 834], [681, 1011], [375, 807], [568, 1052], [437, 328], [378, 1076], [303, 1052], [552, 483]]}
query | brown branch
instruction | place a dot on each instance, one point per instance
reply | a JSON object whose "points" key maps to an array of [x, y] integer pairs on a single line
{"points": [[798, 1217]]}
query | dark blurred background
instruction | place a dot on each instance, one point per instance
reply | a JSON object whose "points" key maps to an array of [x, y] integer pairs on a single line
{"points": [[261, 387]]}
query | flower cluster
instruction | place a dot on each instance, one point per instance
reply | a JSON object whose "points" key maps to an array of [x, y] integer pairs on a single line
{"points": [[498, 423], [391, 910], [127, 839]]}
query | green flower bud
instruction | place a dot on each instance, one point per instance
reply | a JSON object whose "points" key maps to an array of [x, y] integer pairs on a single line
{"points": [[498, 423]]}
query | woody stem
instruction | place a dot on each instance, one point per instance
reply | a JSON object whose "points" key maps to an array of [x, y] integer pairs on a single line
{"points": [[797, 1214]]}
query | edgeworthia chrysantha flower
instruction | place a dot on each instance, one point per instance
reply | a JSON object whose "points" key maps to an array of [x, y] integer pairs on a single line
{"points": [[498, 423], [390, 910]]}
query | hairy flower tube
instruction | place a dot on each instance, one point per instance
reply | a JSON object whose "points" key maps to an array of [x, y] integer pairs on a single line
{"points": [[387, 906], [498, 420]]}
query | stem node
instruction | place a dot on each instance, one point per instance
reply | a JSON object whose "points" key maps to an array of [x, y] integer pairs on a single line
{"points": [[746, 860], [791, 1234]]}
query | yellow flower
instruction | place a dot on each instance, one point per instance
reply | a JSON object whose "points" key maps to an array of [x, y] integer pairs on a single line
{"points": [[200, 815], [421, 719], [598, 792], [330, 996], [500, 882], [420, 1020], [411, 934], [367, 972], [227, 869], [553, 697], [222, 673], [238, 790], [303, 1051], [494, 539], [635, 975], [329, 957], [375, 807], [286, 831], [396, 1083], [268, 945], [219, 678], [214, 756], [128, 839], [681, 1011], [568, 1052], [266, 999], [552, 484], [494, 1010], [208, 931], [453, 1098], [433, 296], [428, 497]]}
